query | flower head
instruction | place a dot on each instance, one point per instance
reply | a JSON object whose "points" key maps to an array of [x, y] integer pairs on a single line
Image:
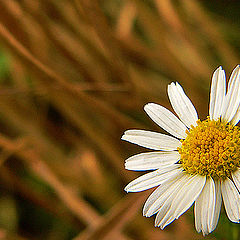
{"points": [[199, 163]]}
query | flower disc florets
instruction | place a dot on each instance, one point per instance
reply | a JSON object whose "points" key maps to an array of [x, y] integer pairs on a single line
{"points": [[212, 148]]}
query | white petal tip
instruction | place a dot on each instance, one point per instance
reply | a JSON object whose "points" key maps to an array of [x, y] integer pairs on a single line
{"points": [[237, 68], [235, 220], [122, 137], [126, 167], [127, 188], [125, 135], [203, 232], [131, 189], [126, 132], [149, 105], [146, 215], [171, 84]]}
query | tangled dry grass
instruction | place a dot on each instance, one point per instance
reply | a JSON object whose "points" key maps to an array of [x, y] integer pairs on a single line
{"points": [[74, 75]]}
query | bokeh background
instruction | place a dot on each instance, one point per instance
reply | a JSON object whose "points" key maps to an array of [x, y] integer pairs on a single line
{"points": [[74, 74]]}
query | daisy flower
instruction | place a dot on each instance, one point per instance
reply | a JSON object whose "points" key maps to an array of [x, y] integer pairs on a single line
{"points": [[199, 163]]}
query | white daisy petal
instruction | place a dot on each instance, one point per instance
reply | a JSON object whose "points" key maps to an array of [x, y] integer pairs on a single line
{"points": [[183, 199], [236, 178], [197, 215], [151, 160], [218, 203], [188, 194], [217, 94], [161, 195], [236, 117], [152, 179], [166, 120], [204, 208], [152, 140], [182, 105], [231, 199], [232, 98], [163, 219], [162, 215]]}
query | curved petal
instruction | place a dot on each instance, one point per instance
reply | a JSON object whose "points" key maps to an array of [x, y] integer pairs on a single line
{"points": [[183, 199], [231, 199], [151, 160], [236, 117], [236, 178], [162, 213], [166, 120], [218, 204], [182, 105], [152, 140], [162, 194], [152, 179], [190, 192], [163, 218], [232, 99], [217, 94], [205, 207]]}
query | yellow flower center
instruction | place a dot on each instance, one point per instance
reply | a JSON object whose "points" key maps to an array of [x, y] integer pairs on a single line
{"points": [[212, 148]]}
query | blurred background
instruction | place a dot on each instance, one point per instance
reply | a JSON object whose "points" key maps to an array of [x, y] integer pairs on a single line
{"points": [[74, 74]]}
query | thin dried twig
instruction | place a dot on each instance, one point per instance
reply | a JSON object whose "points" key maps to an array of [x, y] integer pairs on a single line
{"points": [[53, 77], [115, 220]]}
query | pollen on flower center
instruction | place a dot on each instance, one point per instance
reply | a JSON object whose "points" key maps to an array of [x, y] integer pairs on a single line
{"points": [[212, 148]]}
